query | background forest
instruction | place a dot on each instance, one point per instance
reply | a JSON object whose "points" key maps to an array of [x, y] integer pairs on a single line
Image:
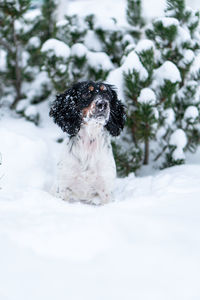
{"points": [[155, 67]]}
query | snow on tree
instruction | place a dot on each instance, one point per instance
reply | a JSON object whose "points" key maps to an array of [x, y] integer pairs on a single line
{"points": [[158, 76], [177, 38], [13, 38], [78, 62], [3, 54], [56, 61], [82, 62], [71, 30], [168, 65], [136, 75], [89, 64], [99, 65], [21, 44], [114, 38], [175, 152]]}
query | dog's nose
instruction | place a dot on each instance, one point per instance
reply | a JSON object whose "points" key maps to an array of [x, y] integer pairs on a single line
{"points": [[101, 105]]}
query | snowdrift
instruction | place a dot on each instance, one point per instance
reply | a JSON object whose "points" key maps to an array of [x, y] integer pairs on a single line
{"points": [[144, 245]]}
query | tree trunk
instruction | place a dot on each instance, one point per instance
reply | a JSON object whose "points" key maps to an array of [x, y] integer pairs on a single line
{"points": [[146, 151], [18, 78]]}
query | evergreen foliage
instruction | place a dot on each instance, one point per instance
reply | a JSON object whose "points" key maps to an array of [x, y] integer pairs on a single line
{"points": [[13, 39], [177, 38], [113, 41], [47, 24], [158, 76], [71, 30], [142, 116], [134, 13]]}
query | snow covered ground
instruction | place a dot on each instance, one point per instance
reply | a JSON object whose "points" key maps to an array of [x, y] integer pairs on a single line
{"points": [[145, 245]]}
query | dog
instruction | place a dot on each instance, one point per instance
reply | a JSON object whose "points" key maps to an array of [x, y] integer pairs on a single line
{"points": [[90, 113]]}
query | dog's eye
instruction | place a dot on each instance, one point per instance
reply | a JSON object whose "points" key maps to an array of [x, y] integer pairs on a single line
{"points": [[103, 88], [91, 88]]}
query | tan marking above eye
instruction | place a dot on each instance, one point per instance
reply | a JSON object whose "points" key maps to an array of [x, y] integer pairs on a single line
{"points": [[91, 88], [102, 87]]}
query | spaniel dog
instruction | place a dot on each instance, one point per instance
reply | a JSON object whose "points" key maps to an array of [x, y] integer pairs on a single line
{"points": [[90, 113]]}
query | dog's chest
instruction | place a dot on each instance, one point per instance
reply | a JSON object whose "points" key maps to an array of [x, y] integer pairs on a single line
{"points": [[93, 143], [90, 148], [87, 166]]}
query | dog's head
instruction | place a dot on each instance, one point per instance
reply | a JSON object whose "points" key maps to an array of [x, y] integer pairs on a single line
{"points": [[86, 101]]}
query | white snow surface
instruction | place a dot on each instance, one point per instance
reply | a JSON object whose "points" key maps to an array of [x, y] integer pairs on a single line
{"points": [[99, 61], [96, 60], [169, 116], [191, 113], [168, 71], [147, 96], [79, 50], [30, 111], [144, 45], [195, 65], [188, 57], [56, 47], [178, 139], [92, 42], [34, 41], [2, 60], [131, 62], [183, 36], [144, 245], [167, 21]]}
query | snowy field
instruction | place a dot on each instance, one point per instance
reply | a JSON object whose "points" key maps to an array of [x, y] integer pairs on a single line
{"points": [[145, 245]]}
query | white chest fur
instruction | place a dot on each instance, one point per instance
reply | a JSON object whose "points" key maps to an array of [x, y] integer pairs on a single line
{"points": [[86, 171]]}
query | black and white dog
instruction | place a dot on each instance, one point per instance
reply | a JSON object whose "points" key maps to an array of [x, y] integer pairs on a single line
{"points": [[89, 112]]}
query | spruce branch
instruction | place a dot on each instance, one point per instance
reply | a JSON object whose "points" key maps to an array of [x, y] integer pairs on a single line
{"points": [[4, 43]]}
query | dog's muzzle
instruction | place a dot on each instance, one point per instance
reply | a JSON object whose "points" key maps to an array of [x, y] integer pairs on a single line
{"points": [[99, 110], [101, 107]]}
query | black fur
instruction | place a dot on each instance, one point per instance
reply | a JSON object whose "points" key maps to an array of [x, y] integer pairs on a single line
{"points": [[67, 109], [117, 115]]}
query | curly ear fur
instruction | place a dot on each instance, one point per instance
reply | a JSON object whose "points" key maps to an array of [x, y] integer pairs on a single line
{"points": [[65, 112], [117, 115]]}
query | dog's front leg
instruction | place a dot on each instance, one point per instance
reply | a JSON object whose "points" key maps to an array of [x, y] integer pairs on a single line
{"points": [[104, 190]]}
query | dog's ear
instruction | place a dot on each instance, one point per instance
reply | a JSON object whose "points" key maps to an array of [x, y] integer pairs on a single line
{"points": [[117, 115], [65, 112]]}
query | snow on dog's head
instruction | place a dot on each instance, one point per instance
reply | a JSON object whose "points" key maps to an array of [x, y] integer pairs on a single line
{"points": [[85, 101]]}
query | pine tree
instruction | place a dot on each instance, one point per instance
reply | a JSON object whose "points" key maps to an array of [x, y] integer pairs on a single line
{"points": [[114, 39], [13, 37], [149, 88], [142, 107], [134, 13], [82, 62], [78, 63], [71, 30], [56, 58], [47, 25], [134, 18], [176, 36], [141, 99]]}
